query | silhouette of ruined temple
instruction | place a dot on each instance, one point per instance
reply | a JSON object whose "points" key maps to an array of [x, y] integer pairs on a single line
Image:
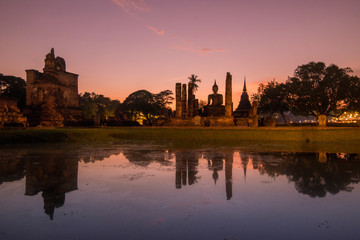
{"points": [[215, 113], [52, 96], [245, 114], [10, 114]]}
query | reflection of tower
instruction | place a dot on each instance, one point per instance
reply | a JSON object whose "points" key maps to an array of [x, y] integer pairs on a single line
{"points": [[186, 168], [228, 174], [51, 201], [54, 176], [244, 162]]}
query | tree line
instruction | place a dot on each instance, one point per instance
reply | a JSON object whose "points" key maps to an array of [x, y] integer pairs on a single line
{"points": [[315, 89]]}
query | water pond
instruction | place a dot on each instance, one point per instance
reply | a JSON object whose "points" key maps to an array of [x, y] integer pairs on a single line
{"points": [[144, 191]]}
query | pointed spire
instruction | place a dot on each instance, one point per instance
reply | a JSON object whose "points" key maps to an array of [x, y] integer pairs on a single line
{"points": [[244, 89], [245, 168], [215, 176]]}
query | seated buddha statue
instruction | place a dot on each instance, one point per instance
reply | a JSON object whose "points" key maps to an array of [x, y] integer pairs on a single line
{"points": [[215, 101]]}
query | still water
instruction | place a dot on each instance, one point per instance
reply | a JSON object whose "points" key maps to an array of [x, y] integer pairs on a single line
{"points": [[137, 191]]}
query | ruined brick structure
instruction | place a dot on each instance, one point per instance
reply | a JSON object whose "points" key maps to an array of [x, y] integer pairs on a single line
{"points": [[52, 96], [214, 113], [10, 114], [228, 95]]}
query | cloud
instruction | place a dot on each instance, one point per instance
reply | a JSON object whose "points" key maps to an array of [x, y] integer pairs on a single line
{"points": [[206, 50], [186, 41], [201, 51], [156, 30], [209, 50], [130, 6]]}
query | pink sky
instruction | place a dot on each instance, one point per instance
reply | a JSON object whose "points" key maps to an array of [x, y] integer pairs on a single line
{"points": [[120, 46]]}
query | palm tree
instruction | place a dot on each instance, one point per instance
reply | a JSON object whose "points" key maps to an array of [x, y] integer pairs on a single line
{"points": [[193, 79]]}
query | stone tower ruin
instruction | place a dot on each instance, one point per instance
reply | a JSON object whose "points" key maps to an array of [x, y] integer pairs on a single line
{"points": [[52, 96]]}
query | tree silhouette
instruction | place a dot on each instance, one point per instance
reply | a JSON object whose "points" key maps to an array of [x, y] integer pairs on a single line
{"points": [[193, 79], [273, 98], [142, 103], [13, 87], [93, 105], [319, 90]]}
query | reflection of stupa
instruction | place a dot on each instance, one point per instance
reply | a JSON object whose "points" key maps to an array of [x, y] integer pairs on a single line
{"points": [[54, 177]]}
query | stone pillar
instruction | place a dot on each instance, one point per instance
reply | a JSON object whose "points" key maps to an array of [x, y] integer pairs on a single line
{"points": [[183, 101], [229, 158], [322, 158], [31, 76], [196, 107], [190, 101], [178, 113], [322, 120], [228, 95]]}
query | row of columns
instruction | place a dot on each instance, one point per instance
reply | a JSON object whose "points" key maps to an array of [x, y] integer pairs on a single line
{"points": [[187, 106]]}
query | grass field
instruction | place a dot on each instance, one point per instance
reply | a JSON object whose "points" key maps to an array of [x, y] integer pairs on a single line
{"points": [[290, 138]]}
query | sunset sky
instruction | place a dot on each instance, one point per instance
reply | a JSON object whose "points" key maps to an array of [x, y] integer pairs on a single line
{"points": [[120, 46]]}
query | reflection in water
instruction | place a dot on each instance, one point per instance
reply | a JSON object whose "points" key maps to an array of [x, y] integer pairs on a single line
{"points": [[216, 163], [145, 157], [12, 168], [54, 176], [245, 158], [186, 167], [313, 174], [55, 173]]}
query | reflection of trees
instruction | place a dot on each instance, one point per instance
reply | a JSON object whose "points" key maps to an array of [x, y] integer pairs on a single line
{"points": [[311, 174], [145, 157], [92, 155], [186, 167], [11, 168], [216, 163]]}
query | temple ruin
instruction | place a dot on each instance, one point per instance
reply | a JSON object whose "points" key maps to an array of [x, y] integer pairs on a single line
{"points": [[215, 113], [10, 115], [52, 96]]}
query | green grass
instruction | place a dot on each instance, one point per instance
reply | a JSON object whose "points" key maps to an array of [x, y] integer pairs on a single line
{"points": [[291, 138]]}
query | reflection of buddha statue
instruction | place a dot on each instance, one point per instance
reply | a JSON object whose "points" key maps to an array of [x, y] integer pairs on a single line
{"points": [[215, 98], [214, 106]]}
